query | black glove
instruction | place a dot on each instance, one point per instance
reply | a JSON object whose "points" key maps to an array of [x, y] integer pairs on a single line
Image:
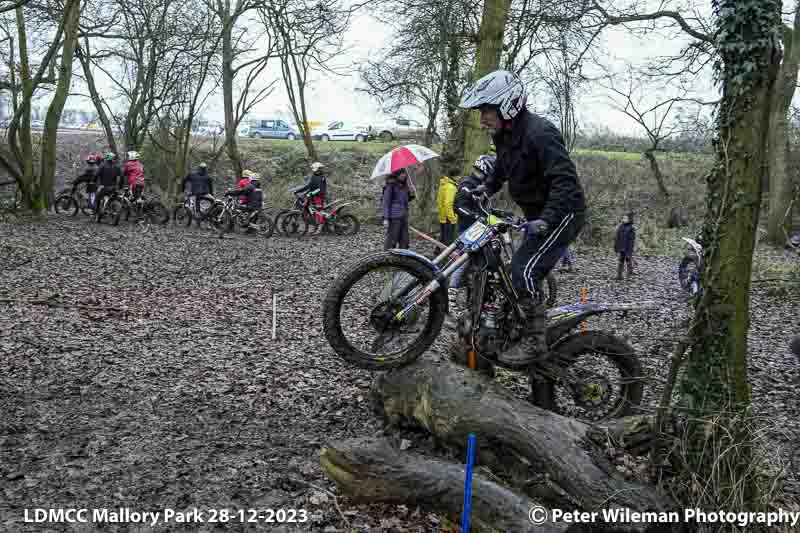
{"points": [[536, 228]]}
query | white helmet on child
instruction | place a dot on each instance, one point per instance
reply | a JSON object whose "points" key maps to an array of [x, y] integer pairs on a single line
{"points": [[133, 155]]}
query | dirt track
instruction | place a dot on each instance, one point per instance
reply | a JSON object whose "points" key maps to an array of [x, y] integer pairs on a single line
{"points": [[151, 381]]}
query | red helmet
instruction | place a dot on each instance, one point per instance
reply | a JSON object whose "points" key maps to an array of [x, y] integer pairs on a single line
{"points": [[94, 158]]}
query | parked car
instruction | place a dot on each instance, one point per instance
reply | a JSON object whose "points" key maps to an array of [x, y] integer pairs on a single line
{"points": [[400, 129], [343, 131], [272, 129]]}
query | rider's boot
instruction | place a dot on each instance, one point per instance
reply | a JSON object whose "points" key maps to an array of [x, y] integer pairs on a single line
{"points": [[533, 344]]}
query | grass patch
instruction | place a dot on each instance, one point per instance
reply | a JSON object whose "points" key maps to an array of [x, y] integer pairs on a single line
{"points": [[370, 147]]}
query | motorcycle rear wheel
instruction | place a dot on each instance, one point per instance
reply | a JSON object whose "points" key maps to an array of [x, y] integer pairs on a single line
{"points": [[570, 350]]}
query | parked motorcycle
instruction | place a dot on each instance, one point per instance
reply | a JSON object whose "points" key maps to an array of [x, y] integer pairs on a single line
{"points": [[388, 308], [690, 267]]}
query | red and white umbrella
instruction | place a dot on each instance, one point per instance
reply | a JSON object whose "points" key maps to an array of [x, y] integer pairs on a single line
{"points": [[402, 157]]}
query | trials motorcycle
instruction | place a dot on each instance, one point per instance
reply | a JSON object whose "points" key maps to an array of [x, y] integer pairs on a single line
{"points": [[385, 310]]}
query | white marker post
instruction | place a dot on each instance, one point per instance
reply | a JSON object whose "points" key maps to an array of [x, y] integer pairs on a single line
{"points": [[274, 313]]}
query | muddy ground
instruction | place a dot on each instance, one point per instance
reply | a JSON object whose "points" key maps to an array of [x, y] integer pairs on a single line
{"points": [[138, 370]]}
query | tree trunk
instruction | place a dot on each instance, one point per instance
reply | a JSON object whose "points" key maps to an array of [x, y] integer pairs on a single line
{"points": [[715, 381], [662, 188], [20, 138], [548, 457], [373, 471], [780, 186], [97, 100], [227, 92], [495, 14], [453, 150], [71, 15]]}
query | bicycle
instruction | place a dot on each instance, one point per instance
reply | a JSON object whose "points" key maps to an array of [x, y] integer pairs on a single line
{"points": [[71, 201], [227, 215], [304, 216], [110, 204], [184, 213], [143, 208]]}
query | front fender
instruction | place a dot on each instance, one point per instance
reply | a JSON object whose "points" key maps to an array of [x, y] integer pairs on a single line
{"points": [[419, 257]]}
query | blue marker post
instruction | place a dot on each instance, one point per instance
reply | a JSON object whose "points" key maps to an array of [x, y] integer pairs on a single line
{"points": [[468, 483]]}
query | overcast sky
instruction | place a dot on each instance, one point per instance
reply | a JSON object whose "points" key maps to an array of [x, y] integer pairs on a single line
{"points": [[336, 98]]}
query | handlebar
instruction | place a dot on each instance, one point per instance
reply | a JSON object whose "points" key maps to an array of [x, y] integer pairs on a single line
{"points": [[508, 218]]}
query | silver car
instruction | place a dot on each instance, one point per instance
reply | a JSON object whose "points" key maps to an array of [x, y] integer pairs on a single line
{"points": [[401, 129]]}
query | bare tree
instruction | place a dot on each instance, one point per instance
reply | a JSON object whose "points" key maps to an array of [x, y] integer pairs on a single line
{"points": [[244, 56], [423, 67], [308, 36], [699, 54], [659, 120], [25, 79]]}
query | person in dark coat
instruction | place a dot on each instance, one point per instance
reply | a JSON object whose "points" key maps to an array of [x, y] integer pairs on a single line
{"points": [[202, 186], [394, 210], [109, 179], [624, 243], [89, 177]]}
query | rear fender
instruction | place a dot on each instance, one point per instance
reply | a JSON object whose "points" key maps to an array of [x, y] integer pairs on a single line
{"points": [[561, 320], [338, 208]]}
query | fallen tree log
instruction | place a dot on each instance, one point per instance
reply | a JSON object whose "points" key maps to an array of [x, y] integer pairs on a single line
{"points": [[373, 471], [552, 459]]}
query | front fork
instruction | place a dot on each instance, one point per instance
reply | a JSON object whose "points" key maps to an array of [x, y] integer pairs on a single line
{"points": [[422, 293]]}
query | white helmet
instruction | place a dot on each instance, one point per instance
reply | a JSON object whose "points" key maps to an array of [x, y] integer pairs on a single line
{"points": [[486, 164], [316, 166], [501, 88], [133, 155]]}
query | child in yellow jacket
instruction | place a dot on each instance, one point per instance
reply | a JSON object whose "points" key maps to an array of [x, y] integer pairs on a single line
{"points": [[447, 216]]}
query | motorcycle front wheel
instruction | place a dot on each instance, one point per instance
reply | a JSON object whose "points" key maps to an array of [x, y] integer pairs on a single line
{"points": [[360, 312]]}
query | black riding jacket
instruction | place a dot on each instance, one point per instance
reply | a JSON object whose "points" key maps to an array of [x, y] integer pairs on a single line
{"points": [[541, 177], [109, 176], [201, 182], [315, 182], [89, 177]]}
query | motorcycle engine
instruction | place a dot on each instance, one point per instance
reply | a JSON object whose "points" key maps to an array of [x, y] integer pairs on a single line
{"points": [[492, 336]]}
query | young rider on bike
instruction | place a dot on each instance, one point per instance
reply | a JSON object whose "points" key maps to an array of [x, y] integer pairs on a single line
{"points": [[89, 177], [255, 199], [109, 178], [316, 187], [543, 181], [247, 176], [134, 173]]}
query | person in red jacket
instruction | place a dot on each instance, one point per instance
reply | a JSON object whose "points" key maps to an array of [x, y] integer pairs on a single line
{"points": [[134, 173], [247, 177]]}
